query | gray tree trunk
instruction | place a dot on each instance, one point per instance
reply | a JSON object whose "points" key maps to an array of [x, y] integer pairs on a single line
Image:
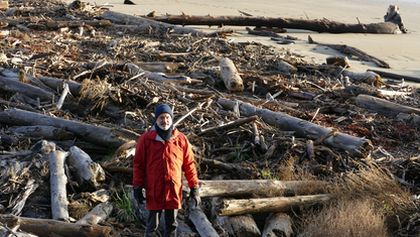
{"points": [[302, 128], [86, 170]]}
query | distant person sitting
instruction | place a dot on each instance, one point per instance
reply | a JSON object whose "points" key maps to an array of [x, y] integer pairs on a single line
{"points": [[393, 15], [129, 2]]}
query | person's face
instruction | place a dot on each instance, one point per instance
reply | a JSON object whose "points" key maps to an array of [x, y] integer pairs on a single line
{"points": [[164, 121]]}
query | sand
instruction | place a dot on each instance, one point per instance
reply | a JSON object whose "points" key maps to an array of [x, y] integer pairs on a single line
{"points": [[401, 51]]}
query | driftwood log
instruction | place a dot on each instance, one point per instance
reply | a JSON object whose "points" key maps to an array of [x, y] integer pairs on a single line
{"points": [[97, 215], [352, 51], [58, 182], [235, 188], [14, 85], [148, 24], [243, 225], [99, 135], [384, 107], [230, 75], [87, 171], [395, 76], [46, 132], [48, 227], [233, 207], [319, 25], [278, 224], [200, 221], [301, 127]]}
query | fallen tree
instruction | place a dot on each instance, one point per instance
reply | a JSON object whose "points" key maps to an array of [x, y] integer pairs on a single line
{"points": [[100, 135], [384, 107], [319, 25], [232, 188], [234, 207], [148, 24], [301, 127], [48, 227]]}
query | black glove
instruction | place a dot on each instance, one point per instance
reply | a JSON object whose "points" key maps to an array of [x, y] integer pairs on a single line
{"points": [[195, 196], [138, 195]]}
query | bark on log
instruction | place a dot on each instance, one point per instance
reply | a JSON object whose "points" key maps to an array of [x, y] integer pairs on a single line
{"points": [[395, 76], [87, 170], [318, 25], [243, 226], [48, 227], [230, 75], [301, 127], [120, 18], [97, 215], [58, 182], [200, 221], [384, 107], [46, 132], [57, 84], [278, 224], [235, 188], [232, 168], [248, 206], [352, 51], [34, 92], [100, 135]]}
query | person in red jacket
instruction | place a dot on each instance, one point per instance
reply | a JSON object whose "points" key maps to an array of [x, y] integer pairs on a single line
{"points": [[162, 153]]}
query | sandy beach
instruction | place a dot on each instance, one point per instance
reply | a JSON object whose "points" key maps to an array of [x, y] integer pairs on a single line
{"points": [[401, 51]]}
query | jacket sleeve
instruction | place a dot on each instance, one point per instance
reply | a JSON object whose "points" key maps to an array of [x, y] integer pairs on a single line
{"points": [[139, 163], [188, 165]]}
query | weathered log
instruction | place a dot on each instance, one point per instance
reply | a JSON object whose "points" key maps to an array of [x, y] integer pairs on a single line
{"points": [[58, 182], [120, 18], [384, 107], [230, 125], [46, 132], [200, 221], [57, 84], [365, 77], [34, 92], [100, 135], [301, 127], [243, 225], [230, 75], [97, 215], [232, 168], [277, 224], [318, 25], [55, 25], [87, 170], [48, 227], [236, 188], [276, 204], [395, 76], [352, 51]]}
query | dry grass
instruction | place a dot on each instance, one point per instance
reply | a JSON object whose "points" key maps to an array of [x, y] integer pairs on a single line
{"points": [[95, 90], [366, 204], [374, 183], [349, 218]]}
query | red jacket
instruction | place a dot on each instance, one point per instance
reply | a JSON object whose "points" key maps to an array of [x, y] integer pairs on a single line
{"points": [[158, 167]]}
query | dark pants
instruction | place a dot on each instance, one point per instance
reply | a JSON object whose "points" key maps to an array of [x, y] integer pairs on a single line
{"points": [[170, 223]]}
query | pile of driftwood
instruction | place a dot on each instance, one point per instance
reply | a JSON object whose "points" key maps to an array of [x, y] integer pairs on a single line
{"points": [[79, 83]]}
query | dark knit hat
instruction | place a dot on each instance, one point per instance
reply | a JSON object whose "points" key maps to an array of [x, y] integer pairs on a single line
{"points": [[163, 108]]}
